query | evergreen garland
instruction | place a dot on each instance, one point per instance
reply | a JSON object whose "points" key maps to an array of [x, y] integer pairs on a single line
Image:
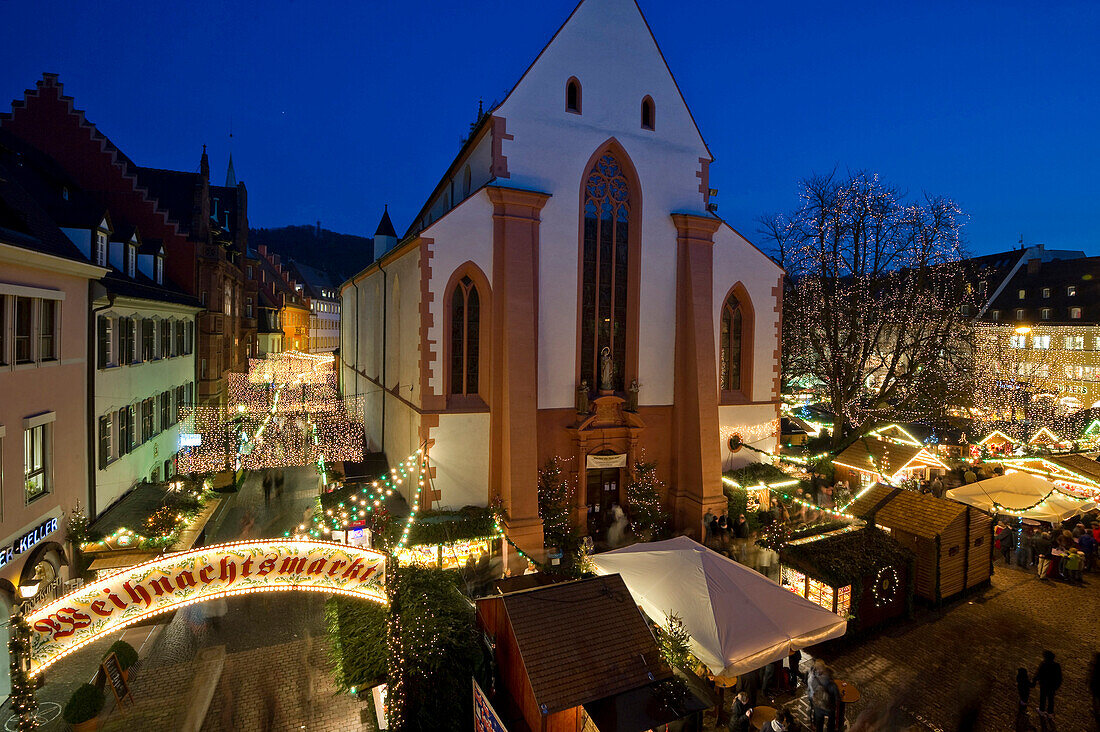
{"points": [[23, 702]]}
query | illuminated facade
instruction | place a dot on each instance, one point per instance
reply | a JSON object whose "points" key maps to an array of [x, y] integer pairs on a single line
{"points": [[567, 291]]}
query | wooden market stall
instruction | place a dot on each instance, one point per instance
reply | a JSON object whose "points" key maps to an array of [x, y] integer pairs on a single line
{"points": [[1073, 472], [864, 575], [953, 543], [871, 459]]}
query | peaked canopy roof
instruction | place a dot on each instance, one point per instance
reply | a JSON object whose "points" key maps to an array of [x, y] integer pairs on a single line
{"points": [[738, 619], [914, 513], [1020, 494], [872, 455]]}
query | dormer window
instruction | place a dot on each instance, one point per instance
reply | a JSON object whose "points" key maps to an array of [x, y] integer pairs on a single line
{"points": [[64, 193], [160, 270], [573, 96], [131, 260], [647, 113], [101, 249]]}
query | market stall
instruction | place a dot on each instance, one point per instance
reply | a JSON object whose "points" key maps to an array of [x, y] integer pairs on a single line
{"points": [[952, 543], [871, 460], [865, 576], [738, 619], [1023, 495]]}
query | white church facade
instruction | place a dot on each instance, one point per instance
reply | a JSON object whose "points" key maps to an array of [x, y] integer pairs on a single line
{"points": [[566, 292]]}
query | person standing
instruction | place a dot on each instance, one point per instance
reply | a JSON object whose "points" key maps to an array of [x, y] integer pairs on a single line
{"points": [[279, 484], [1049, 678], [1008, 542], [793, 662], [267, 487], [1025, 548], [748, 683], [1042, 551], [740, 714], [708, 527]]}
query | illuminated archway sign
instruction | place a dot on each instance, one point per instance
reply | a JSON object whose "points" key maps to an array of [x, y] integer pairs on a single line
{"points": [[176, 580]]}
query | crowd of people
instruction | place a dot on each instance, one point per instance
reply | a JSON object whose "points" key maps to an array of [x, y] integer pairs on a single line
{"points": [[737, 541], [1065, 552]]}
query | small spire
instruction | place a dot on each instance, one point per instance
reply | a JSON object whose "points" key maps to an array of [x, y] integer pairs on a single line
{"points": [[230, 174], [204, 164], [385, 226]]}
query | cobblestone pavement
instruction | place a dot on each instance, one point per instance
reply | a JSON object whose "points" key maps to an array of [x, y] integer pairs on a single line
{"points": [[963, 657]]}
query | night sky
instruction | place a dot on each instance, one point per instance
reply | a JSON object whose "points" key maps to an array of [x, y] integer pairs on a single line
{"points": [[337, 108]]}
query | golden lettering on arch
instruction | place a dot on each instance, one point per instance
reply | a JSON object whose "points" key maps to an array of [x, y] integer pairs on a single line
{"points": [[176, 580]]}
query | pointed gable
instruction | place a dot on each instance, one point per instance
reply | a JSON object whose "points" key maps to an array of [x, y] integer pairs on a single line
{"points": [[608, 47]]}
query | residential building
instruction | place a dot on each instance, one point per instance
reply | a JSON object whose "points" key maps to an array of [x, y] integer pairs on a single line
{"points": [[269, 329], [324, 306], [1040, 338], [537, 308], [203, 228], [275, 282], [44, 374]]}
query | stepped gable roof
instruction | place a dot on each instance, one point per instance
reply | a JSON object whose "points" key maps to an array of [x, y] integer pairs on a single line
{"points": [[173, 190], [914, 513], [54, 189], [583, 641], [24, 222]]}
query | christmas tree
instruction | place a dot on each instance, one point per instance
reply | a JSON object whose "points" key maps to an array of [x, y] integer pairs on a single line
{"points": [[557, 498], [643, 497]]}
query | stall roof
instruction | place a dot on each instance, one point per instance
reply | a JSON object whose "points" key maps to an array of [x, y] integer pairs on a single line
{"points": [[842, 559], [914, 513], [858, 455], [1077, 463], [583, 641]]}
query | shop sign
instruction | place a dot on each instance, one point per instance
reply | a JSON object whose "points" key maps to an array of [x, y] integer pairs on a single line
{"points": [[190, 439], [27, 541], [606, 461], [176, 580], [485, 717]]}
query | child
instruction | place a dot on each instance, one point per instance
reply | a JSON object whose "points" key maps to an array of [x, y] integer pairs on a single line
{"points": [[1023, 687], [1073, 565]]}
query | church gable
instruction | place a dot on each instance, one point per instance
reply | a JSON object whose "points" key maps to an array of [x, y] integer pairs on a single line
{"points": [[603, 71]]}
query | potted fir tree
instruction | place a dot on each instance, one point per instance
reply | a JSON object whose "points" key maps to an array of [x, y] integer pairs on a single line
{"points": [[82, 710], [126, 654]]}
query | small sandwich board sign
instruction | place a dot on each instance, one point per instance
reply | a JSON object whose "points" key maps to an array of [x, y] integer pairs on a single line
{"points": [[112, 672]]}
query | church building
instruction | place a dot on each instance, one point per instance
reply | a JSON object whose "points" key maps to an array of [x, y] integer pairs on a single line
{"points": [[568, 291]]}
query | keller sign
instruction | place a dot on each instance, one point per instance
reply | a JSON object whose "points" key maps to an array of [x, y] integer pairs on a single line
{"points": [[27, 541]]}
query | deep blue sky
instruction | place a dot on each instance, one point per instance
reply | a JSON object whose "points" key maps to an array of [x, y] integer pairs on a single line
{"points": [[337, 108]]}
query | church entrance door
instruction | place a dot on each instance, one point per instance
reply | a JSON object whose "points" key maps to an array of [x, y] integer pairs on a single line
{"points": [[602, 494]]}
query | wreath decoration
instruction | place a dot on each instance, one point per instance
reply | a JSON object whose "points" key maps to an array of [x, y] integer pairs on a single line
{"points": [[886, 586]]}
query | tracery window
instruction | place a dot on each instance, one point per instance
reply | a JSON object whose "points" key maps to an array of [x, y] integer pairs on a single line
{"points": [[730, 341], [605, 272], [465, 332]]}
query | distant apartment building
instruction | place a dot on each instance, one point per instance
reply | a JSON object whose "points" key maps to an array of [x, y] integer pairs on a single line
{"points": [[278, 286], [324, 306]]}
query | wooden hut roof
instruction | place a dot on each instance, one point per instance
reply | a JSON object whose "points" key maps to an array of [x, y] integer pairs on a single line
{"points": [[858, 455], [582, 641], [1077, 463], [914, 513], [843, 559]]}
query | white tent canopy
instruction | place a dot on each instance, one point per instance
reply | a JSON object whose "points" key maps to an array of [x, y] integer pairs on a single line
{"points": [[1024, 494], [738, 619]]}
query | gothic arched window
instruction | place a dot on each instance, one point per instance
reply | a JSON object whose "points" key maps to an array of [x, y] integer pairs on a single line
{"points": [[573, 95], [731, 342], [465, 346], [647, 113], [605, 271]]}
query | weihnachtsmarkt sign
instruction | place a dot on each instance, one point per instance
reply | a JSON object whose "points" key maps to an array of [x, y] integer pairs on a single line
{"points": [[175, 580]]}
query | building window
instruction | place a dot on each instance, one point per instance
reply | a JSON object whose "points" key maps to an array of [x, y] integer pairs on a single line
{"points": [[126, 340], [189, 342], [1075, 313], [104, 441], [648, 112], [1045, 313], [202, 298], [1071, 290], [573, 96], [1018, 341], [465, 344], [248, 307], [103, 341], [995, 314], [1040, 341], [179, 350], [165, 338], [47, 330], [36, 459], [1075, 343], [1019, 315], [147, 419], [730, 376], [1046, 292], [125, 430], [165, 410], [605, 272], [1021, 294], [148, 340], [160, 270], [202, 369], [983, 287], [466, 181], [24, 328], [131, 260], [250, 271], [101, 249], [4, 340]]}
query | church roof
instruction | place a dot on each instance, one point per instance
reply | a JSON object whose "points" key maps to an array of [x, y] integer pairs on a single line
{"points": [[173, 190], [385, 226]]}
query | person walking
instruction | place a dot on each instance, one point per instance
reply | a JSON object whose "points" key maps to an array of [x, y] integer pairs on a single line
{"points": [[793, 662], [708, 527], [1043, 548], [1008, 542], [1025, 548], [1024, 684], [267, 481], [1049, 678], [825, 699]]}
